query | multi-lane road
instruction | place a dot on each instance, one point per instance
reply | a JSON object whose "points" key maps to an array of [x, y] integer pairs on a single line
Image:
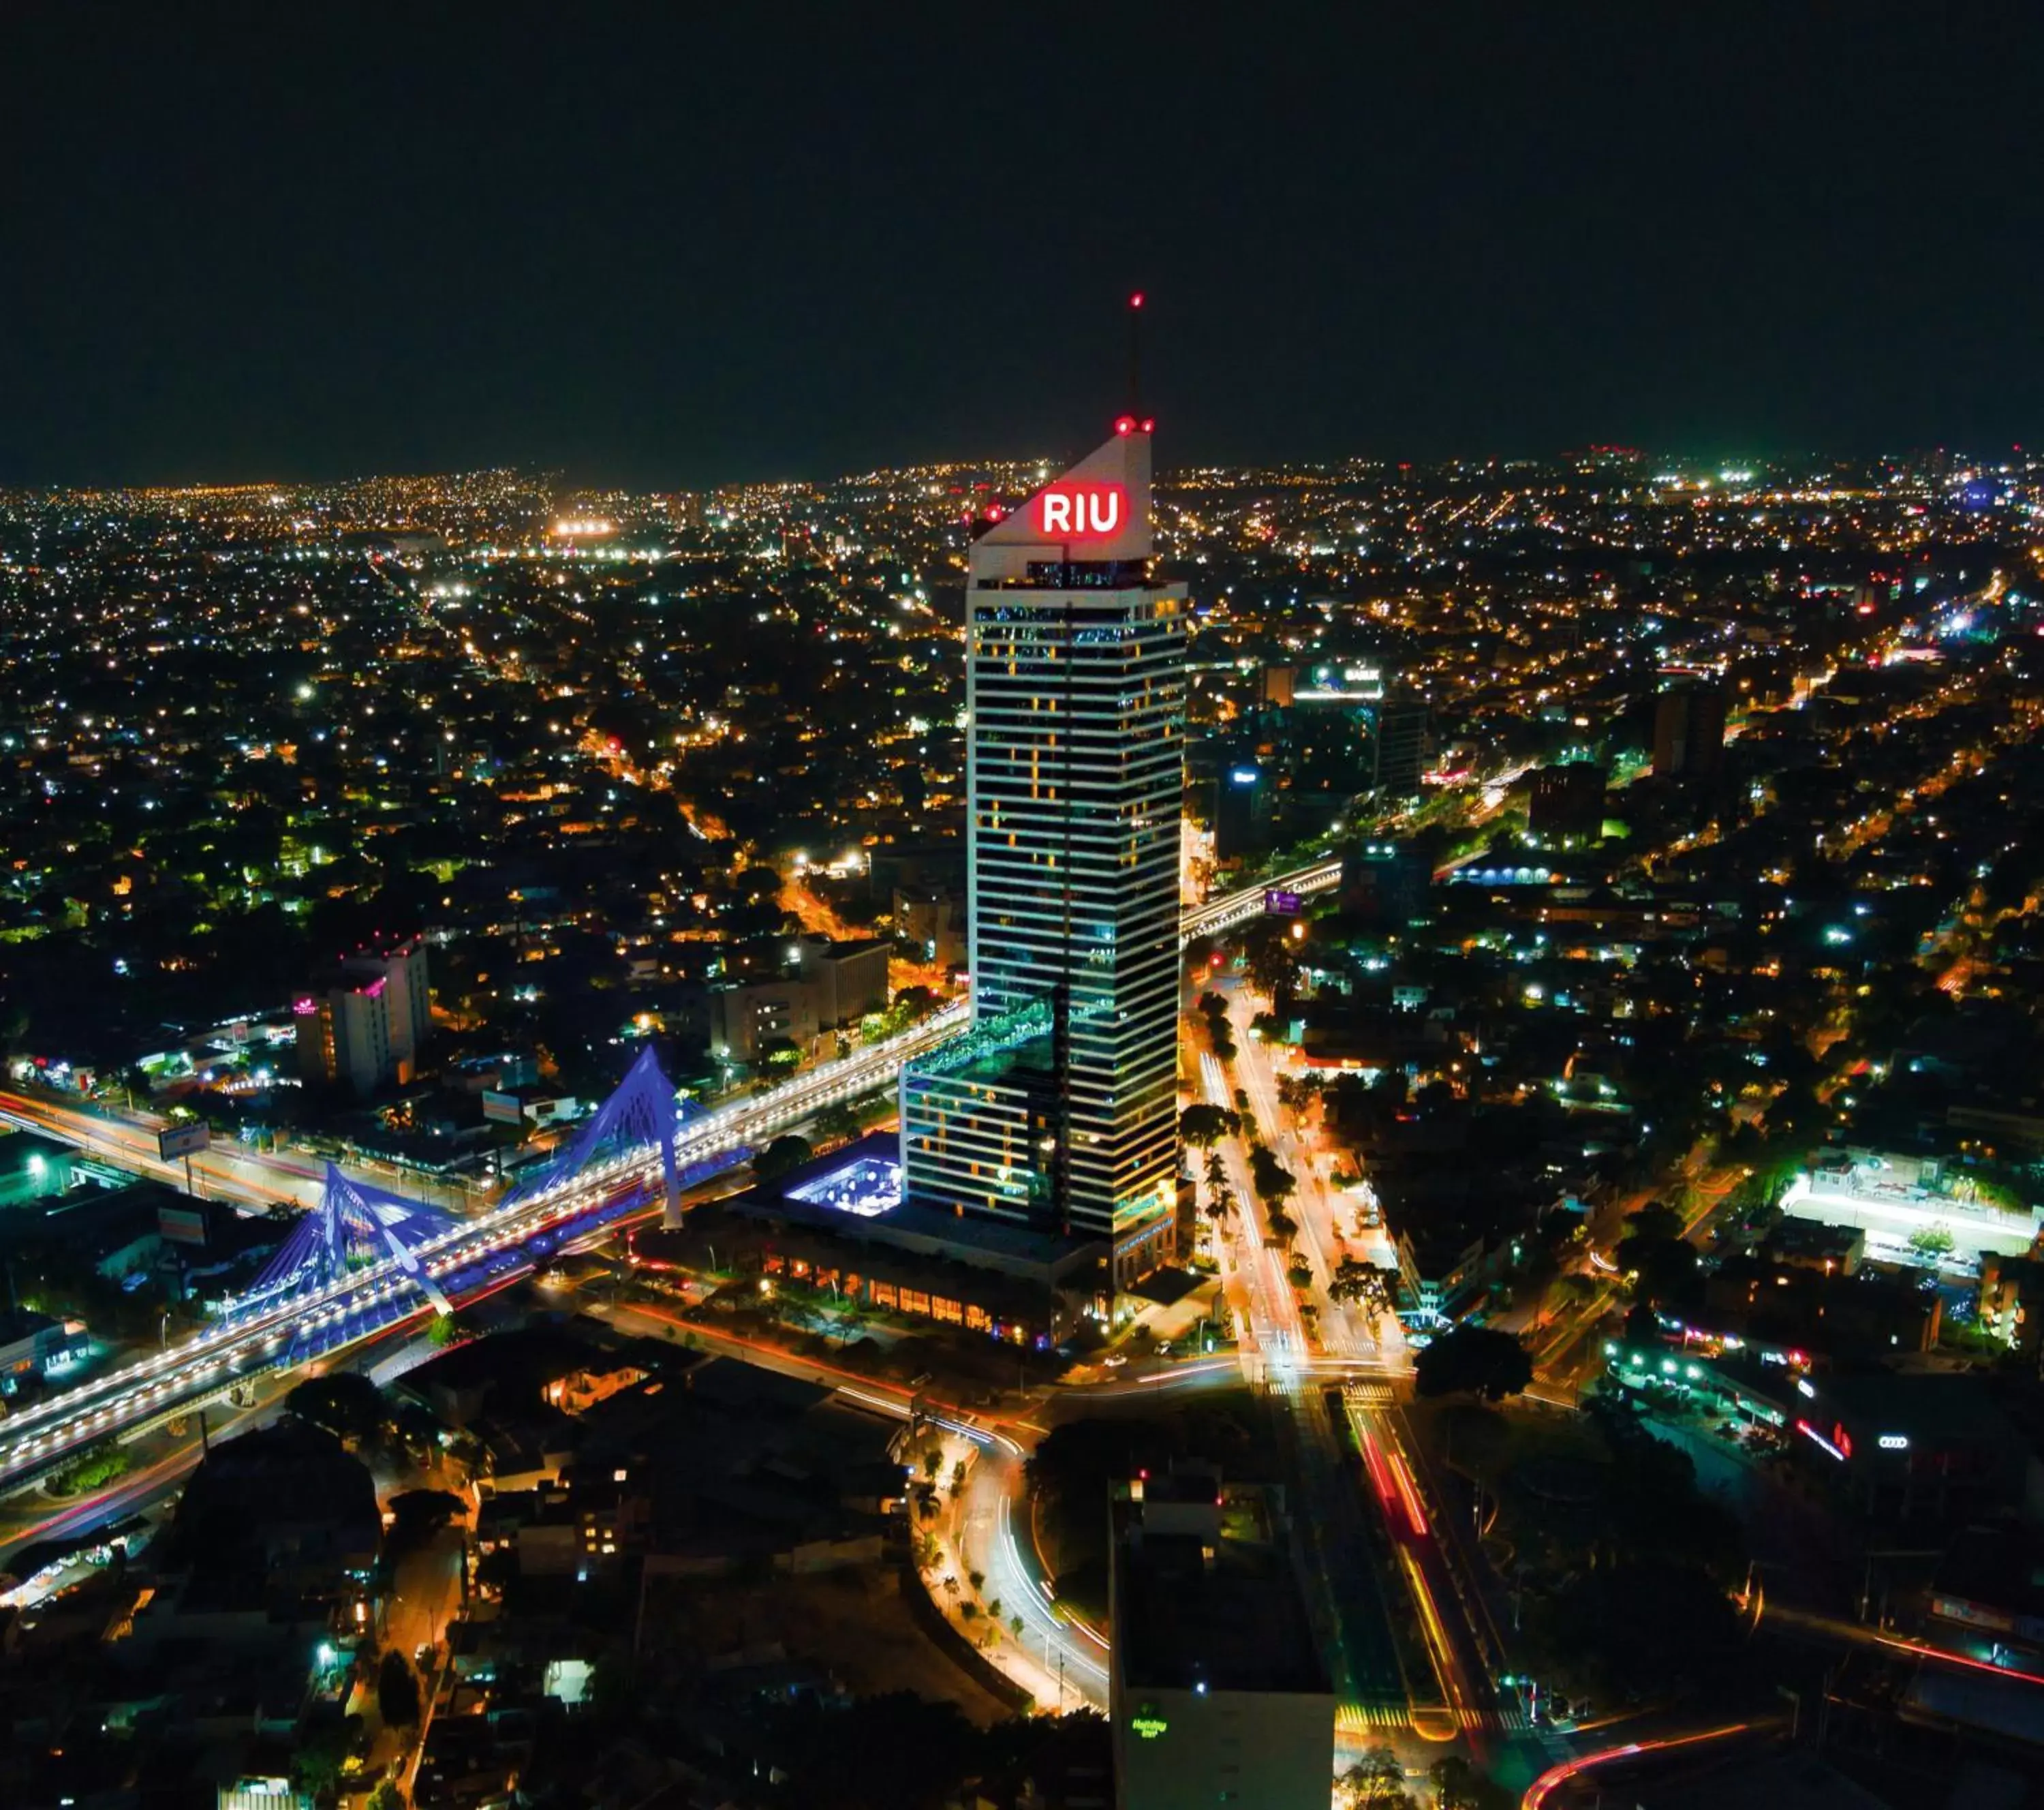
{"points": [[1225, 913], [1277, 1349], [1412, 1566], [477, 1252], [1343, 1346], [471, 1255]]}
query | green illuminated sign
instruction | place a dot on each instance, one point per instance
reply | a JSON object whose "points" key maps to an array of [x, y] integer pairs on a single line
{"points": [[1147, 1723]]}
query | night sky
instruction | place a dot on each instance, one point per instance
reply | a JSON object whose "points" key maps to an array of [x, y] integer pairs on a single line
{"points": [[680, 245]]}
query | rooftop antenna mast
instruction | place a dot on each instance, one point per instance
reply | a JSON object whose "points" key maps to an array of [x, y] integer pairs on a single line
{"points": [[1135, 354]]}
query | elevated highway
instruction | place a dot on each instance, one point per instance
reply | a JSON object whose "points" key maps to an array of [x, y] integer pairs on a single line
{"points": [[476, 1254]]}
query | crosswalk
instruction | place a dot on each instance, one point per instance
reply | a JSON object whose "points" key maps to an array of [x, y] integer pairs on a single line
{"points": [[1358, 1720], [1514, 1720]]}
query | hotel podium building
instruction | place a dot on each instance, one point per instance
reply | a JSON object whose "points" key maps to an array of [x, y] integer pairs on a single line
{"points": [[1059, 1107]]}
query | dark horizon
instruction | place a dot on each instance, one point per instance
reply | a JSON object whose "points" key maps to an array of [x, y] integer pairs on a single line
{"points": [[663, 253]]}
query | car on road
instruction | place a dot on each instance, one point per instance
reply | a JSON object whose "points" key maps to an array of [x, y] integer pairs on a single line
{"points": [[1114, 1360]]}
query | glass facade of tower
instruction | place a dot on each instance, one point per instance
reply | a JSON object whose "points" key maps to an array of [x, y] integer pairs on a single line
{"points": [[1067, 1114]]}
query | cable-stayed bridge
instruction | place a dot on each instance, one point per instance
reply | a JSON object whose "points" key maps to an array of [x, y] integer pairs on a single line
{"points": [[363, 1257]]}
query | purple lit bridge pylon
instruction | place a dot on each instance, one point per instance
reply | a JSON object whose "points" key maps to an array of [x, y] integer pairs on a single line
{"points": [[355, 1226], [641, 1113]]}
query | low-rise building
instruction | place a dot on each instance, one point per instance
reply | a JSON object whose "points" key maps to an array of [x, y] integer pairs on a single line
{"points": [[33, 1168], [1837, 1316], [1810, 1244], [1216, 1691], [848, 979], [34, 1344], [820, 986], [1989, 1586], [1918, 1446], [747, 1018], [933, 915], [842, 1221], [1567, 801]]}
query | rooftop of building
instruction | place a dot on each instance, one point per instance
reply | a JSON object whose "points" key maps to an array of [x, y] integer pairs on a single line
{"points": [[1225, 1616], [102, 1220], [1926, 1408], [18, 1148], [803, 1199], [1813, 1238], [518, 1366], [1997, 1565], [17, 1323]]}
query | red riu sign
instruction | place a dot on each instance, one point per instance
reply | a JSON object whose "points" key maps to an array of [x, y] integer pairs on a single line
{"points": [[1082, 509]]}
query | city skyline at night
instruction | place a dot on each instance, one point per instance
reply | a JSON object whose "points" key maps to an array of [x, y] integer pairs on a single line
{"points": [[900, 912]]}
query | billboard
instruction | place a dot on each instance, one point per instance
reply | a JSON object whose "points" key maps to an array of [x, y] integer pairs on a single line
{"points": [[181, 1225], [174, 1141], [1329, 683], [1282, 904], [502, 1108]]}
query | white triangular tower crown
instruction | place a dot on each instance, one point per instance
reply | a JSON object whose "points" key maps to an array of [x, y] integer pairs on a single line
{"points": [[1112, 483]]}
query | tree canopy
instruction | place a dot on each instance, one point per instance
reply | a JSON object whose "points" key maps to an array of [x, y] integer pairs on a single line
{"points": [[1475, 1360], [836, 1120], [1205, 1126], [786, 1152], [1275, 1184], [1376, 1782], [1637, 1630], [1369, 1284], [347, 1405], [900, 1751], [417, 1515], [397, 1692], [1664, 1269]]}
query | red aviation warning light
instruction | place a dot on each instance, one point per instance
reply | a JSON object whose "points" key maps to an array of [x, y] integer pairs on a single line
{"points": [[1082, 508], [1124, 423]]}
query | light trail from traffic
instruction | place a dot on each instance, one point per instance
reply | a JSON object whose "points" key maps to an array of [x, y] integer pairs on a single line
{"points": [[1440, 1653], [1415, 1515], [1018, 1584], [240, 1343], [1538, 1792], [1225, 913], [246, 1340]]}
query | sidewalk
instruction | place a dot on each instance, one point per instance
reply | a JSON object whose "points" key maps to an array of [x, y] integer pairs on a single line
{"points": [[949, 1580]]}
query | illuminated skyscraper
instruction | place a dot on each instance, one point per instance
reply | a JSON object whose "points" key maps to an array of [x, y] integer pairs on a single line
{"points": [[1059, 1106]]}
